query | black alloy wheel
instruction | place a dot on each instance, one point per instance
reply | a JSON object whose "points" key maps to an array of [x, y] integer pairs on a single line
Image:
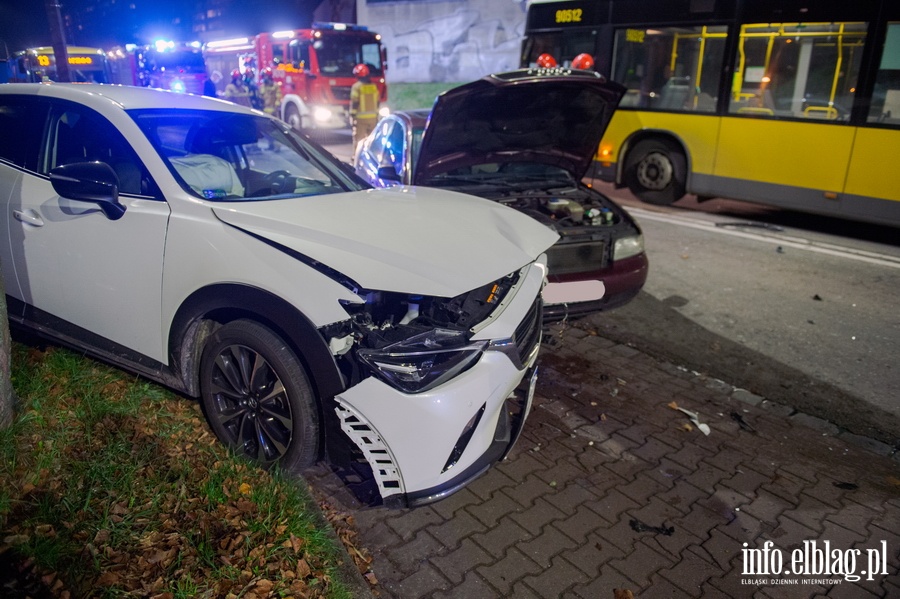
{"points": [[257, 397]]}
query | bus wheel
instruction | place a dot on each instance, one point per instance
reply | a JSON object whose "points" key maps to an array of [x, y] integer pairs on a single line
{"points": [[655, 171], [257, 397], [292, 115]]}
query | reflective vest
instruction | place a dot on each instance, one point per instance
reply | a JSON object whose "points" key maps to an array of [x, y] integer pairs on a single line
{"points": [[364, 100]]}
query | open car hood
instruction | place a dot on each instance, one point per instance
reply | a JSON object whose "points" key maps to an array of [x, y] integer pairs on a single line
{"points": [[549, 116], [408, 240]]}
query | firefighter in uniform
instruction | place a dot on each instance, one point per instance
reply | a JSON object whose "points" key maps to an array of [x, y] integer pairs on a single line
{"points": [[270, 92], [364, 97], [236, 91]]}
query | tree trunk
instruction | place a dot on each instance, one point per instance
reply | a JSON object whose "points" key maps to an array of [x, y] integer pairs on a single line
{"points": [[7, 394]]}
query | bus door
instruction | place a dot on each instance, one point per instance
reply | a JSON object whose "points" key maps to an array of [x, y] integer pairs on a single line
{"points": [[873, 172], [786, 133]]}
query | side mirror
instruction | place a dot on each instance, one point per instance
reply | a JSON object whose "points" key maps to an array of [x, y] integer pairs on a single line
{"points": [[388, 173], [94, 182]]}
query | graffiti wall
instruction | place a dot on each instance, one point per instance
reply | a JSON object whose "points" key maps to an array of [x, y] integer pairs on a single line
{"points": [[446, 41]]}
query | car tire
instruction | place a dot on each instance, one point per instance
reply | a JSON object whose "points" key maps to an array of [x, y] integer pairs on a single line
{"points": [[655, 171], [257, 397]]}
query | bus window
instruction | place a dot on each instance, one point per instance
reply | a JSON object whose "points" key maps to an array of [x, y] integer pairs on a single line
{"points": [[806, 70], [670, 68], [886, 96], [562, 47]]}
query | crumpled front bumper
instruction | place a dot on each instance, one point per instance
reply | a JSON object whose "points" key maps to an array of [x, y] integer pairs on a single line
{"points": [[423, 447]]}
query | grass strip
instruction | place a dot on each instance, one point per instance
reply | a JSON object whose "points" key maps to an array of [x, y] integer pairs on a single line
{"points": [[112, 486]]}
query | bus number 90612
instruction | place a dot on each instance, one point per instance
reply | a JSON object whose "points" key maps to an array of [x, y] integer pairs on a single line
{"points": [[569, 15]]}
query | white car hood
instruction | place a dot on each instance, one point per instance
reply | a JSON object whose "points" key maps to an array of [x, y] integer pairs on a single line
{"points": [[404, 239]]}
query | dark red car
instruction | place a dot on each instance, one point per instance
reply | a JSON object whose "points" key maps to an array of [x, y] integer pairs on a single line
{"points": [[525, 139]]}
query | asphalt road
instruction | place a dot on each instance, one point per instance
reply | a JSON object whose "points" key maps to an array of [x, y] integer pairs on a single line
{"points": [[797, 308], [793, 307]]}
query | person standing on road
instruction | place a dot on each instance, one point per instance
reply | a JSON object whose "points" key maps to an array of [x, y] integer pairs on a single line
{"points": [[209, 88], [236, 91], [252, 89], [364, 98], [270, 93]]}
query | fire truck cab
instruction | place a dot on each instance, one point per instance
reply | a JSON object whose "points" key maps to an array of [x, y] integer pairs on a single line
{"points": [[313, 66], [174, 66]]}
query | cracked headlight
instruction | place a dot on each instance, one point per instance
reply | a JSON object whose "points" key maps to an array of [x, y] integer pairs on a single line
{"points": [[423, 361]]}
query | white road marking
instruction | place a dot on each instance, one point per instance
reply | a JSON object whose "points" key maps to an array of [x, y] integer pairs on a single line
{"points": [[775, 239]]}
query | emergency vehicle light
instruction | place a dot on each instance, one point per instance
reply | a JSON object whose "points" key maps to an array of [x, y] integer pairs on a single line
{"points": [[283, 34], [340, 26], [232, 42]]}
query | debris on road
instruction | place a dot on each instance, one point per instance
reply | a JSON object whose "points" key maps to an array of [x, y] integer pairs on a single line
{"points": [[695, 418], [846, 486], [638, 526], [742, 423]]}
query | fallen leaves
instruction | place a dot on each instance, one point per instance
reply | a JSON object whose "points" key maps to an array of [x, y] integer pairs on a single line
{"points": [[141, 499]]}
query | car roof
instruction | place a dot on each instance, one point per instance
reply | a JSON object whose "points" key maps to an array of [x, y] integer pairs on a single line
{"points": [[416, 117], [123, 97]]}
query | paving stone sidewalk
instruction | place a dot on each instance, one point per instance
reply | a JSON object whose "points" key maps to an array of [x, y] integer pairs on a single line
{"points": [[610, 487]]}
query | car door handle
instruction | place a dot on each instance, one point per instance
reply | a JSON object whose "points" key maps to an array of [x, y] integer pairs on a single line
{"points": [[29, 217]]}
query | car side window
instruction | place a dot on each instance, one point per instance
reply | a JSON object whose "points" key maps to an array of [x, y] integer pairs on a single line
{"points": [[22, 121], [393, 148], [376, 148], [78, 134]]}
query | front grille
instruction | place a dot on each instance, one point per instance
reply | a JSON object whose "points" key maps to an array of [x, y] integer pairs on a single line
{"points": [[565, 258], [341, 93], [528, 333]]}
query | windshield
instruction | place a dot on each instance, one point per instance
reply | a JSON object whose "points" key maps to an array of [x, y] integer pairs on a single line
{"points": [[223, 156], [339, 54], [183, 60]]}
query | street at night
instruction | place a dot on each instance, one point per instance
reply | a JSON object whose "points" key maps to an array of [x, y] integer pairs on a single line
{"points": [[612, 487], [582, 299]]}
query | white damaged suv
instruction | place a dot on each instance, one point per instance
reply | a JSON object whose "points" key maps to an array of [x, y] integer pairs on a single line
{"points": [[207, 247]]}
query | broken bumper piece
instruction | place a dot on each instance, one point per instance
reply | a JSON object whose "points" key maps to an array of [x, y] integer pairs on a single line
{"points": [[425, 446]]}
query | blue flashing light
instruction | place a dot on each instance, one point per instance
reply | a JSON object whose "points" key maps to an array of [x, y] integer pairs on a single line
{"points": [[340, 26]]}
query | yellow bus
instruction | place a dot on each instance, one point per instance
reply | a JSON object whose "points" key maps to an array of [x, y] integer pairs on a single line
{"points": [[34, 65], [791, 103]]}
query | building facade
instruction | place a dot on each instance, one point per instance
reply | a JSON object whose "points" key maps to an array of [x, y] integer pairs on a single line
{"points": [[446, 41]]}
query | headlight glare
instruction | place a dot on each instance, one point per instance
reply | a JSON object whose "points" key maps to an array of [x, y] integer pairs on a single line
{"points": [[423, 361], [321, 114], [626, 247]]}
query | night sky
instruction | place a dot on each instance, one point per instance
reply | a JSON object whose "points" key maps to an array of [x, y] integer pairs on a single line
{"points": [[23, 23]]}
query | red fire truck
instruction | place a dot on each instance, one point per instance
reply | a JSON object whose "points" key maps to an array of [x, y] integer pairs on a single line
{"points": [[166, 64], [313, 66]]}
